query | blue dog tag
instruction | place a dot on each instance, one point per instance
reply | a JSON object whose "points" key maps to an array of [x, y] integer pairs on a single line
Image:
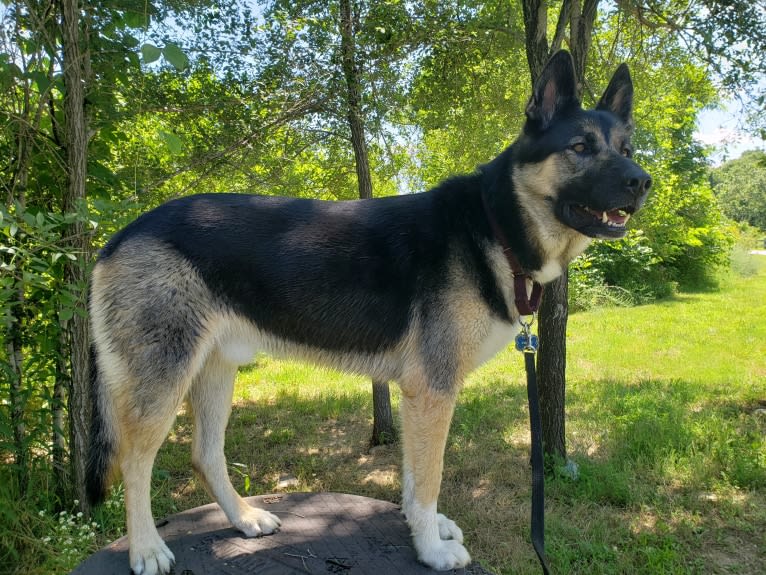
{"points": [[526, 342]]}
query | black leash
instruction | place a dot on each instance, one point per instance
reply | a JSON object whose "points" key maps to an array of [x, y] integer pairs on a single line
{"points": [[527, 343]]}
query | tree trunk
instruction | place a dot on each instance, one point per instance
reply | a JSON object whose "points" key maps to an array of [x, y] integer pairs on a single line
{"points": [[354, 100], [76, 143], [536, 30], [581, 32], [383, 423], [61, 477], [554, 311], [13, 349], [383, 431], [551, 366], [551, 357]]}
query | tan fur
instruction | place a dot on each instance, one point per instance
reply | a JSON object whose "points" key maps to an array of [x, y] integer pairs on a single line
{"points": [[559, 244], [140, 424]]}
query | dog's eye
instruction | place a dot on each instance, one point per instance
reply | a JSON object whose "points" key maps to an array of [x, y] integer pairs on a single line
{"points": [[579, 147], [627, 152]]}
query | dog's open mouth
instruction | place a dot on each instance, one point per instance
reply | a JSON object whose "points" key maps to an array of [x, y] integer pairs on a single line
{"points": [[598, 223], [616, 218]]}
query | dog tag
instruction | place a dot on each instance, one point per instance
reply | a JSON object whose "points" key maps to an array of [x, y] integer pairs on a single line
{"points": [[526, 342]]}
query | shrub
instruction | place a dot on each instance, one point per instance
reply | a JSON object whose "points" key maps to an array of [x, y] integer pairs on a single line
{"points": [[587, 288]]}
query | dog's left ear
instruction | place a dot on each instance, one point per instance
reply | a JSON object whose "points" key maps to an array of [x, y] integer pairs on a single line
{"points": [[555, 91], [618, 96]]}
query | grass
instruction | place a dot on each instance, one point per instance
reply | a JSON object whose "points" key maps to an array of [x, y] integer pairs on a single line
{"points": [[664, 419]]}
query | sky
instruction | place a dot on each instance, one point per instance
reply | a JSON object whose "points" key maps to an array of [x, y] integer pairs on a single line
{"points": [[722, 128]]}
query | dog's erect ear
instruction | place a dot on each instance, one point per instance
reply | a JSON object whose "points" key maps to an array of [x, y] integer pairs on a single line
{"points": [[618, 96], [555, 91]]}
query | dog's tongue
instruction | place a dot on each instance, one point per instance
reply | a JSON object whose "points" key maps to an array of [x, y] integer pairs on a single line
{"points": [[618, 217]]}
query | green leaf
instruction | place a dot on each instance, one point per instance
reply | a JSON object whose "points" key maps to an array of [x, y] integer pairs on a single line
{"points": [[129, 41], [175, 56], [150, 53], [8, 75], [66, 314], [137, 19], [173, 142], [100, 172]]}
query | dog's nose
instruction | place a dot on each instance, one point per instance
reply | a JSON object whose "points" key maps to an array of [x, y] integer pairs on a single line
{"points": [[638, 184]]}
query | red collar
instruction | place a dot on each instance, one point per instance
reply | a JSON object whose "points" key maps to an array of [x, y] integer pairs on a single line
{"points": [[527, 304]]}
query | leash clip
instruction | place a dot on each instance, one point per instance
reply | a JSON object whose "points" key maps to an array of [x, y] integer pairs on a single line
{"points": [[526, 341]]}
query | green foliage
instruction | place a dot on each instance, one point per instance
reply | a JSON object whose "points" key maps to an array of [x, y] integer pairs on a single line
{"points": [[589, 289], [633, 265], [746, 239], [740, 186], [36, 302], [38, 299], [469, 95], [40, 538]]}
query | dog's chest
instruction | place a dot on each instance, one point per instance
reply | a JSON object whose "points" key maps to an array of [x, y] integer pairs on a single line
{"points": [[498, 336]]}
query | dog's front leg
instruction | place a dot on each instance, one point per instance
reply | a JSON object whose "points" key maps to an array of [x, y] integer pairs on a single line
{"points": [[426, 418]]}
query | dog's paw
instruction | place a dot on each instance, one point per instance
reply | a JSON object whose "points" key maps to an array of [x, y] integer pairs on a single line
{"points": [[445, 555], [155, 559], [256, 522], [448, 529]]}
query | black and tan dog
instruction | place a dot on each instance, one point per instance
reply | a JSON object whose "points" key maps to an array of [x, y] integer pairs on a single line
{"points": [[413, 288]]}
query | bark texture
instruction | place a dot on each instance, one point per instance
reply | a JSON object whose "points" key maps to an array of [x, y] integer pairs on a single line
{"points": [[383, 430], [579, 16], [76, 64]]}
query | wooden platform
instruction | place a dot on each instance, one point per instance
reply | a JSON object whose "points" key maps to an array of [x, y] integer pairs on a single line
{"points": [[321, 533]]}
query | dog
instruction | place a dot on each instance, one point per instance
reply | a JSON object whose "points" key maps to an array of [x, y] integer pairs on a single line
{"points": [[415, 288]]}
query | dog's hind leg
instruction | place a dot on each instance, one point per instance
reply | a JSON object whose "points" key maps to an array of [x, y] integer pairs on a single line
{"points": [[140, 438], [210, 399], [426, 416]]}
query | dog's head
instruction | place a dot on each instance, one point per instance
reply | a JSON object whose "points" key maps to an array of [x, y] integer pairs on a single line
{"points": [[579, 162]]}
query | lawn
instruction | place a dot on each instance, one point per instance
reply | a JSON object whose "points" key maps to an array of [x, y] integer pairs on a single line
{"points": [[666, 422]]}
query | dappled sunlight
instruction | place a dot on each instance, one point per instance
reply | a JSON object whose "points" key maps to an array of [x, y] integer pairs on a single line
{"points": [[188, 489], [517, 437], [181, 433], [643, 521], [482, 489], [387, 477]]}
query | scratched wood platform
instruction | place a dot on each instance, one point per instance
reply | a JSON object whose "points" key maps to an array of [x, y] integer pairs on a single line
{"points": [[321, 533]]}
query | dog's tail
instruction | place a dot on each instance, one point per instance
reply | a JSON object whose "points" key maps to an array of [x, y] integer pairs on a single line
{"points": [[101, 447]]}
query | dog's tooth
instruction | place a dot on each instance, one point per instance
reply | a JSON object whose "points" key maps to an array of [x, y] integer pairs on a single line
{"points": [[604, 218]]}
